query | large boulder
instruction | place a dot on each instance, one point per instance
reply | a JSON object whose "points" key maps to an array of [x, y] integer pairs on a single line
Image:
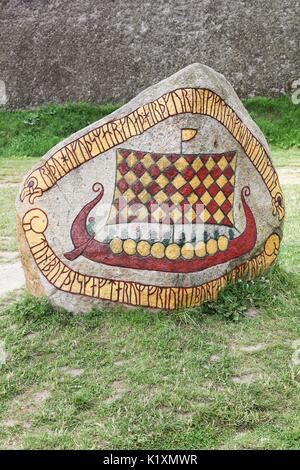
{"points": [[158, 205]]}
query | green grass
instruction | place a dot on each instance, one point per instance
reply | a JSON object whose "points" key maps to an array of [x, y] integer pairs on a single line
{"points": [[8, 241], [13, 170], [33, 133], [278, 118], [131, 379], [11, 174], [206, 378]]}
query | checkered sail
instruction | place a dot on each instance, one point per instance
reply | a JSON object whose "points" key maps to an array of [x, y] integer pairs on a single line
{"points": [[177, 181]]}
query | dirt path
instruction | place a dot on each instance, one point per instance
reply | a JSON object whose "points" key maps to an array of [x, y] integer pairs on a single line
{"points": [[289, 175], [11, 277], [8, 256], [9, 185]]}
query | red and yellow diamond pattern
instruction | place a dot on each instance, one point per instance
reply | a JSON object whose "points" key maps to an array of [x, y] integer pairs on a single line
{"points": [[175, 180]]}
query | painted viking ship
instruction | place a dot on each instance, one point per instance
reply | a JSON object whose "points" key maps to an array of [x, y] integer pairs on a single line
{"points": [[170, 212]]}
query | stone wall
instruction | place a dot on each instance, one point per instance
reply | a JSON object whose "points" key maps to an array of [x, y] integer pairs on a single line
{"points": [[108, 50]]}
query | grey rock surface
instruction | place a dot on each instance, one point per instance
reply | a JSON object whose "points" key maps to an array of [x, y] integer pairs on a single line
{"points": [[109, 50]]}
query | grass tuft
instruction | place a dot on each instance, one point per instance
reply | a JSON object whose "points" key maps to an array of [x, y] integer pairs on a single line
{"points": [[29, 307], [237, 298]]}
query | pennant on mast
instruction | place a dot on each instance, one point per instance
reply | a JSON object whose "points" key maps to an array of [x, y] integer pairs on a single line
{"points": [[188, 134]]}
